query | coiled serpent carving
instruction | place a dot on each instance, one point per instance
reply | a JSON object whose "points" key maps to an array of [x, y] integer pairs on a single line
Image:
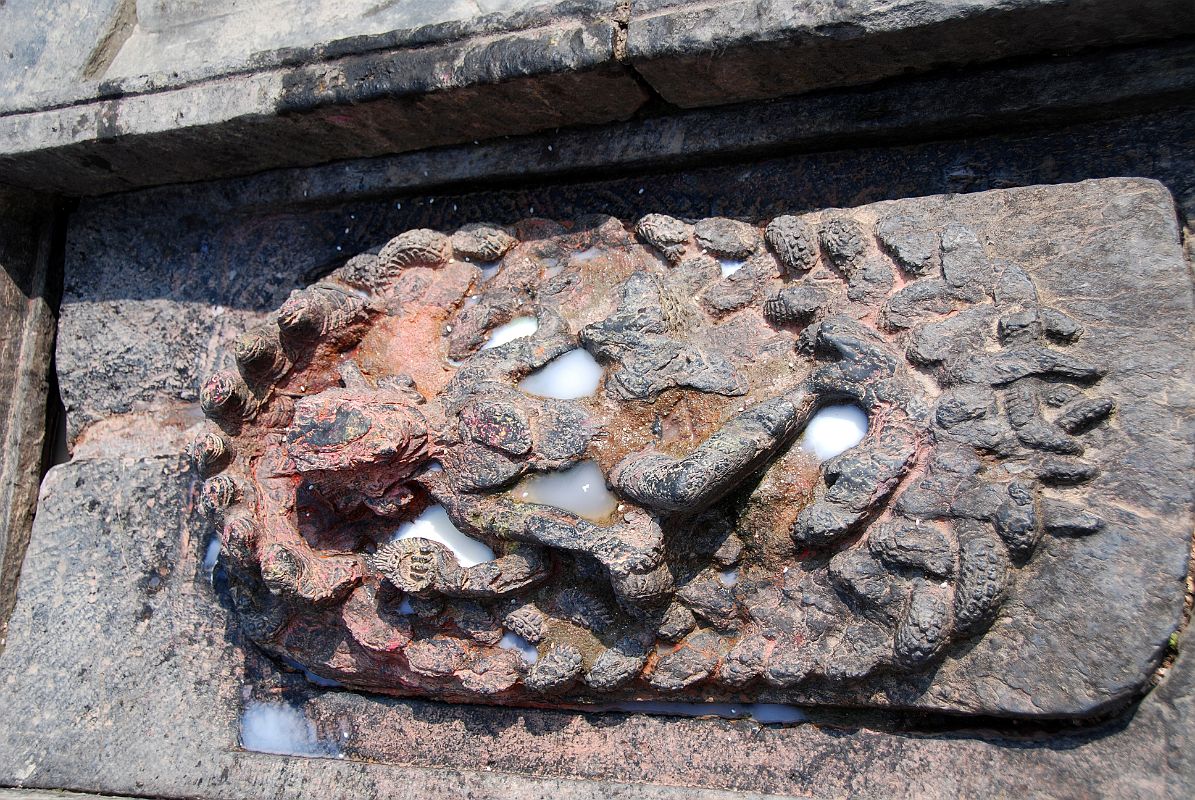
{"points": [[367, 397]]}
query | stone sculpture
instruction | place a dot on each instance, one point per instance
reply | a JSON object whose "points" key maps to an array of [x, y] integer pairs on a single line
{"points": [[735, 565]]}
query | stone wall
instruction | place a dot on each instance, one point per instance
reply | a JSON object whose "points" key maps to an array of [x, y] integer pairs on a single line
{"points": [[124, 672]]}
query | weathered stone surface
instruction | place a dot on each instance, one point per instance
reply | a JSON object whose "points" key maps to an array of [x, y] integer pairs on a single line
{"points": [[1024, 500], [126, 347], [1145, 753], [61, 54], [29, 285], [49, 48], [135, 662], [772, 48]]}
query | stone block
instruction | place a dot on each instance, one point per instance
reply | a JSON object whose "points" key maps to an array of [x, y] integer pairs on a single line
{"points": [[96, 547], [1036, 454], [127, 105], [65, 54]]}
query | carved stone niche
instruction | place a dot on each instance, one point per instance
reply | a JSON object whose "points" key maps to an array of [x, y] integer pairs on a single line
{"points": [[1009, 537]]}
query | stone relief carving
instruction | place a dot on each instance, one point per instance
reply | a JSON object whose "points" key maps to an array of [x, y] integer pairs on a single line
{"points": [[733, 564]]}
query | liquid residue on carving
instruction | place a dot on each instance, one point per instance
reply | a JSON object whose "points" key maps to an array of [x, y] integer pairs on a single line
{"points": [[280, 729], [517, 328], [766, 713], [833, 430], [580, 489], [212, 555], [730, 266], [434, 524], [572, 375], [318, 680], [526, 650], [585, 256]]}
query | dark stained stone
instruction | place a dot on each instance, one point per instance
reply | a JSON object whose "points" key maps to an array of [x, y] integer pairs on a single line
{"points": [[771, 49]]}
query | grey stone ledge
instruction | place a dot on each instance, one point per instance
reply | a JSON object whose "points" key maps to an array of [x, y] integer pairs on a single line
{"points": [[109, 107], [991, 98], [357, 105]]}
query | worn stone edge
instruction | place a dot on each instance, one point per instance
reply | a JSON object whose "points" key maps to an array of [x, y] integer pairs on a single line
{"points": [[62, 149], [654, 29], [990, 98], [283, 90], [23, 433]]}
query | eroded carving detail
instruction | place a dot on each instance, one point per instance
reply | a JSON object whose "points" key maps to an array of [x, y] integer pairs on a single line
{"points": [[734, 562]]}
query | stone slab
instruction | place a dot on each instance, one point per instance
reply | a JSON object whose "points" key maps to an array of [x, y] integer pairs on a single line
{"points": [[62, 54], [697, 54], [991, 99], [355, 105], [110, 48], [1081, 620]]}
